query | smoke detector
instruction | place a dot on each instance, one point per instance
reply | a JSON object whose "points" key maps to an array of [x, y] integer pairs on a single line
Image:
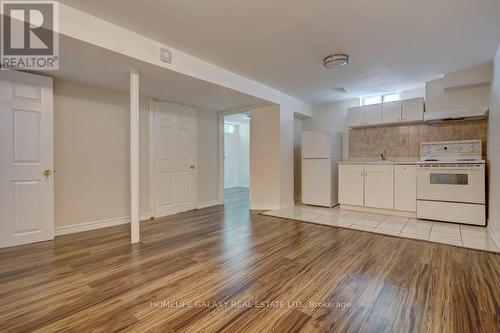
{"points": [[335, 61]]}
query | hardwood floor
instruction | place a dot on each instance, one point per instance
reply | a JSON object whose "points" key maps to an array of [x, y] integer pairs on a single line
{"points": [[281, 275]]}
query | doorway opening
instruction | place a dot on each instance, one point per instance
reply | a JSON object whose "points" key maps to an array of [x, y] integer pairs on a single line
{"points": [[236, 157]]}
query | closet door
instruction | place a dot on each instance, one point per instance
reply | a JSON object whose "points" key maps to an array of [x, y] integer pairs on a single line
{"points": [[26, 159]]}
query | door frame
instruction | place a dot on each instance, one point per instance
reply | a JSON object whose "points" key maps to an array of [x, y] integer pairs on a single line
{"points": [[220, 152], [152, 160]]}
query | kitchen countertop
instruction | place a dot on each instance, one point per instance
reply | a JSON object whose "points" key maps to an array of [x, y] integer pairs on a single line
{"points": [[399, 161]]}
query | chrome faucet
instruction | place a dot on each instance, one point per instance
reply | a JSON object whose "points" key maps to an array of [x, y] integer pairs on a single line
{"points": [[382, 157]]}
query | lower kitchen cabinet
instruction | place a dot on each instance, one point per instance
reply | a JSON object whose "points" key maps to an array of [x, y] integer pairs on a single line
{"points": [[379, 186], [405, 188], [351, 184]]}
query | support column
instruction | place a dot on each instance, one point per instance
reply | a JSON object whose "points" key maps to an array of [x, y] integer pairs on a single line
{"points": [[135, 230]]}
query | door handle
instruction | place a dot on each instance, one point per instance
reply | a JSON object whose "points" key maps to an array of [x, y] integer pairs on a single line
{"points": [[192, 167], [47, 172]]}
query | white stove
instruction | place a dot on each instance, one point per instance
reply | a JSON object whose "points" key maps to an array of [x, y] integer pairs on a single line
{"points": [[451, 182]]}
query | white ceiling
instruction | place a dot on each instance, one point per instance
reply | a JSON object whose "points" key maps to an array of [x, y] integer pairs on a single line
{"points": [[393, 44], [89, 64]]}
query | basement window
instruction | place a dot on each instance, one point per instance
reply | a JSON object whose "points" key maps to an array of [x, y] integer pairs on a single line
{"points": [[228, 128], [392, 97], [380, 99], [372, 100]]}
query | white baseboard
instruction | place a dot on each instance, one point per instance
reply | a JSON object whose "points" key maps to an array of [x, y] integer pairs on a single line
{"points": [[70, 229], [202, 205], [146, 216], [287, 205], [379, 211], [93, 225], [495, 236], [271, 206], [264, 206]]}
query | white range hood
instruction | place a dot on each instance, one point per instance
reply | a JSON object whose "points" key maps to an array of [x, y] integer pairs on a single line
{"points": [[456, 114]]}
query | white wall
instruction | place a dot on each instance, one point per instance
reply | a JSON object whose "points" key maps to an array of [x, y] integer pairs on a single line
{"points": [[272, 157], [265, 158], [91, 154], [231, 157], [236, 156], [494, 152], [297, 158], [286, 130], [244, 154], [207, 157]]}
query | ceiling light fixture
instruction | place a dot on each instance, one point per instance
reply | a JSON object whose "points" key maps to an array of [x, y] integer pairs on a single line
{"points": [[335, 61]]}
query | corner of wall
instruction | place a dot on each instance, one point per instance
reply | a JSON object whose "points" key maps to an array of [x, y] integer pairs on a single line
{"points": [[492, 153]]}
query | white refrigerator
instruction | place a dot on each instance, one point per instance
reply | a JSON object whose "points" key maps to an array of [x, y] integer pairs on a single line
{"points": [[321, 150]]}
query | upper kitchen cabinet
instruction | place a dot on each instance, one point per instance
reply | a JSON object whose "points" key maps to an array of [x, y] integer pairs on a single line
{"points": [[355, 116], [391, 112], [412, 110], [365, 115], [372, 114], [403, 111]]}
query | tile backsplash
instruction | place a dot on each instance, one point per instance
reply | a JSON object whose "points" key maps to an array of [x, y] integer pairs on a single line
{"points": [[404, 141]]}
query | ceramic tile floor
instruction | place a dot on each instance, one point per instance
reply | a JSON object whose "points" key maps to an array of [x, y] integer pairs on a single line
{"points": [[438, 232]]}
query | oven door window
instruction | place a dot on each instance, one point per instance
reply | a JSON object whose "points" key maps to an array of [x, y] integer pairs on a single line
{"points": [[449, 179]]}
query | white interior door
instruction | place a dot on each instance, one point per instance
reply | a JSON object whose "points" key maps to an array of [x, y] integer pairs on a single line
{"points": [[174, 146], [26, 151]]}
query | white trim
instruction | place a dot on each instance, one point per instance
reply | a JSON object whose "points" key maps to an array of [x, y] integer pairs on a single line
{"points": [[494, 235], [271, 206], [264, 206], [196, 162], [207, 204], [94, 225], [151, 157], [146, 216], [287, 205], [73, 228], [379, 211], [220, 157], [135, 229]]}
